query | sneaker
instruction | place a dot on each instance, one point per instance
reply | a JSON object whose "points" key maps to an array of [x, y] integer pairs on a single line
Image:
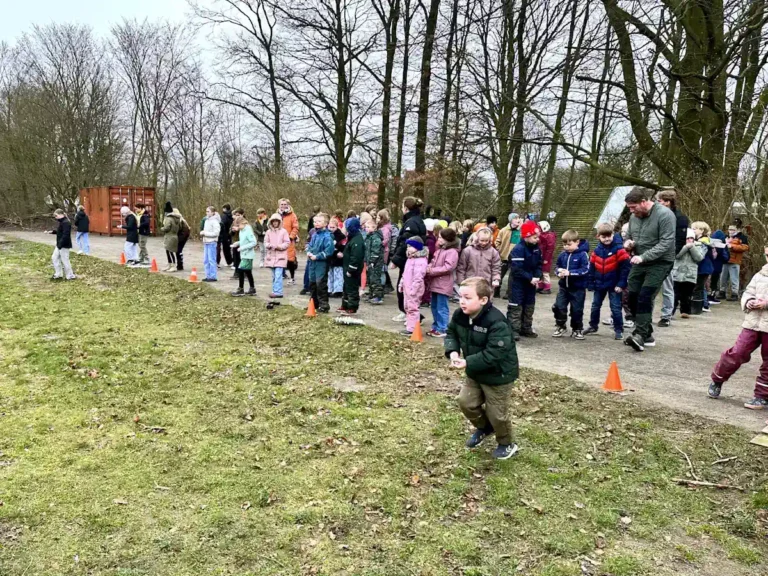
{"points": [[349, 312], [619, 336], [251, 292], [273, 295], [560, 332], [292, 281], [608, 322], [209, 280], [590, 330], [664, 323], [303, 292], [684, 316], [636, 342], [323, 310], [627, 323], [238, 292], [375, 301], [706, 310], [505, 451], [341, 309], [714, 390], [436, 334], [713, 300], [399, 318], [757, 404], [577, 334], [406, 333], [477, 438], [649, 342], [79, 252], [57, 278]]}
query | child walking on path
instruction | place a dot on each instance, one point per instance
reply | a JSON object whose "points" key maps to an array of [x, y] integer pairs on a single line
{"points": [[412, 283], [276, 242], [685, 271], [440, 276], [354, 260], [210, 235], [572, 268], [608, 272], [754, 335], [320, 250], [480, 342], [246, 246], [145, 229], [82, 227], [374, 261], [525, 262]]}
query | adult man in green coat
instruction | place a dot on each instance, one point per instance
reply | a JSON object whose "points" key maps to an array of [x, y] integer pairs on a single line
{"points": [[354, 260]]}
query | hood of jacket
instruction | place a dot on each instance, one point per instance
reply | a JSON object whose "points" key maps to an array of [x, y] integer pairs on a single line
{"points": [[275, 216], [583, 246], [353, 227], [215, 218], [456, 244], [423, 253], [175, 215]]}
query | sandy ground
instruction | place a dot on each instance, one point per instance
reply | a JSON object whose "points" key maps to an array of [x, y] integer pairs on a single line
{"points": [[674, 374]]}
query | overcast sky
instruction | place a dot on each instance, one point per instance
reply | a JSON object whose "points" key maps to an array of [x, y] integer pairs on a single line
{"points": [[18, 16]]}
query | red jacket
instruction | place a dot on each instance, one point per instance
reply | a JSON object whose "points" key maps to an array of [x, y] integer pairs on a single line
{"points": [[547, 241]]}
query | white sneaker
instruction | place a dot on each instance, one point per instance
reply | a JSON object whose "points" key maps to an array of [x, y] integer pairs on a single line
{"points": [[399, 318], [79, 252], [608, 322]]}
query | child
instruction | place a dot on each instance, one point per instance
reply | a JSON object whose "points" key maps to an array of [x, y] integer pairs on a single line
{"points": [[131, 227], [440, 276], [320, 250], [699, 301], [82, 225], [412, 283], [335, 263], [480, 333], [684, 273], [374, 261], [480, 259], [354, 260], [60, 257], [547, 242], [276, 243], [721, 255], [525, 263], [468, 226], [260, 229], [608, 272], [245, 245], [210, 235], [145, 229], [507, 238], [737, 244], [572, 268], [431, 240], [754, 335], [235, 238], [385, 226]]}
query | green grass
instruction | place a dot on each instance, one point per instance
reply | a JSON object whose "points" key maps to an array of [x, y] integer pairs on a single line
{"points": [[246, 460]]}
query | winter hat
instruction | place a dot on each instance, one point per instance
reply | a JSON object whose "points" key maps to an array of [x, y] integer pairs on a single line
{"points": [[513, 216], [528, 229], [429, 224], [352, 226], [124, 211], [690, 233], [415, 242], [168, 208], [544, 225]]}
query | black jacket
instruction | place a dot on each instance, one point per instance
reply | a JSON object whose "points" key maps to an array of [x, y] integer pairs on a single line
{"points": [[413, 225], [64, 234], [486, 344], [131, 229], [144, 227], [82, 222], [354, 256], [681, 230], [338, 248], [226, 225]]}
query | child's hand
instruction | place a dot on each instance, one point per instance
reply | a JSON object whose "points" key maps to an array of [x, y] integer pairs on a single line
{"points": [[459, 363], [535, 281], [753, 305], [564, 273], [618, 290], [495, 283], [339, 255], [311, 256]]}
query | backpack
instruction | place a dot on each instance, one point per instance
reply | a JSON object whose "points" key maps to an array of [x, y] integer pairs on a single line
{"points": [[184, 230]]}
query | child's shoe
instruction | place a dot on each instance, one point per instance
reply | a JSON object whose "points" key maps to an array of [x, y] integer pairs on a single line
{"points": [[714, 390], [757, 404], [323, 310], [251, 292], [685, 316], [505, 451], [619, 336], [477, 437], [560, 332], [406, 333], [303, 292], [436, 334], [706, 310], [399, 318], [666, 322], [341, 309], [292, 281], [375, 301], [628, 323], [273, 295], [636, 342], [528, 334], [713, 299], [238, 292], [608, 322], [577, 334], [649, 342], [590, 330]]}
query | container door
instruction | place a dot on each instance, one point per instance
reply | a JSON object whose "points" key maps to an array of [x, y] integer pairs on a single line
{"points": [[118, 197]]}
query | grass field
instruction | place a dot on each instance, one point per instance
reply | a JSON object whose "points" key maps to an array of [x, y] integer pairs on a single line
{"points": [[150, 426]]}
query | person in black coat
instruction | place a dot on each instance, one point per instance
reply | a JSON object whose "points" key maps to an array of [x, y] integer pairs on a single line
{"points": [[413, 225], [668, 198], [83, 227], [131, 227], [225, 239], [60, 258]]}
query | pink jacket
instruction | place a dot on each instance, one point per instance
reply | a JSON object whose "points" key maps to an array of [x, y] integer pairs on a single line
{"points": [[412, 284], [475, 261], [277, 242], [440, 270], [386, 233], [547, 241]]}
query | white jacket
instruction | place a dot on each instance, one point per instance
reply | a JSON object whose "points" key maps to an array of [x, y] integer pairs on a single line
{"points": [[758, 288], [212, 229]]}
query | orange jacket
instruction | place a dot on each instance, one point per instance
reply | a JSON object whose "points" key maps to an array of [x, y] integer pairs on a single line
{"points": [[291, 225], [737, 250]]}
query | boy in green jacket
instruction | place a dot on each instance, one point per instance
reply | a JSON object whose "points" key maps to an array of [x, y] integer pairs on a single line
{"points": [[374, 261], [354, 260], [480, 341]]}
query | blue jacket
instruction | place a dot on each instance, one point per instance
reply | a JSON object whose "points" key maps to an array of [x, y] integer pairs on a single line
{"points": [[608, 267], [577, 263], [322, 245], [707, 265], [723, 254], [525, 262]]}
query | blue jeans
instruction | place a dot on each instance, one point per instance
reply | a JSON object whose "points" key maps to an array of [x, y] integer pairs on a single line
{"points": [[209, 260], [440, 312], [614, 301], [730, 274], [277, 281], [81, 239], [306, 277]]}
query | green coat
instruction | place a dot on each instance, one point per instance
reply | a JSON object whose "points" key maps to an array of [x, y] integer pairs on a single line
{"points": [[247, 244], [354, 256], [170, 230], [486, 344], [374, 249]]}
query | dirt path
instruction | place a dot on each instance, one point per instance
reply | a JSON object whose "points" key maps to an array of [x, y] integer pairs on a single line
{"points": [[674, 374]]}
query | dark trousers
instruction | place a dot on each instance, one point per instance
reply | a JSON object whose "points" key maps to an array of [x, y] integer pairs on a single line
{"points": [[171, 256], [732, 359], [306, 278], [575, 299], [180, 254], [224, 246], [236, 257], [242, 275], [714, 284], [614, 301], [375, 287], [645, 281], [292, 267], [683, 293], [318, 288], [351, 299], [400, 295]]}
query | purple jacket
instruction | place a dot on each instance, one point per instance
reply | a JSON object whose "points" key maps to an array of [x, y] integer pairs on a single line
{"points": [[440, 270], [482, 262]]}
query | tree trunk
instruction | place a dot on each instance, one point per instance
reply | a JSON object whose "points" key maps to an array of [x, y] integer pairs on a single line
{"points": [[403, 109], [390, 32]]}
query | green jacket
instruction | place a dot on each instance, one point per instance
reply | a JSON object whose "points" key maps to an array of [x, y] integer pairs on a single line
{"points": [[654, 235], [374, 249], [248, 242], [354, 256], [486, 344]]}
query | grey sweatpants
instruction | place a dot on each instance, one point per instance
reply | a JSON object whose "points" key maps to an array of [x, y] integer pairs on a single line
{"points": [[60, 259]]}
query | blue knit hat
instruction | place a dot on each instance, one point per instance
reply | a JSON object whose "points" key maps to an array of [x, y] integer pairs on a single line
{"points": [[415, 242], [352, 225]]}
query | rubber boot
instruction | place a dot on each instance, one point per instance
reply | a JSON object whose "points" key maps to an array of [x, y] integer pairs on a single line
{"points": [[527, 323], [515, 319]]}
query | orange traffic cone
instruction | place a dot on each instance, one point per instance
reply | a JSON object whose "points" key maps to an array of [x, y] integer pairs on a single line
{"points": [[311, 313], [613, 382], [363, 279], [193, 275], [122, 258], [154, 268], [417, 336]]}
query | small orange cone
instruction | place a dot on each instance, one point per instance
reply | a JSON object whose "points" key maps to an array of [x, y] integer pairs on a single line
{"points": [[311, 313], [153, 268], [193, 275], [417, 336], [613, 382], [364, 279], [122, 258]]}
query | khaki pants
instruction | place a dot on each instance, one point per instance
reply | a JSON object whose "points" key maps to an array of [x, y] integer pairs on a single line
{"points": [[495, 415], [143, 254]]}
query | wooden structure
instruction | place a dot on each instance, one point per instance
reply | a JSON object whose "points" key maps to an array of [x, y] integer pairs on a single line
{"points": [[103, 203]]}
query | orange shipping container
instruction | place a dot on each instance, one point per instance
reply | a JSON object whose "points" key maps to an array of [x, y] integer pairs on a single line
{"points": [[103, 203]]}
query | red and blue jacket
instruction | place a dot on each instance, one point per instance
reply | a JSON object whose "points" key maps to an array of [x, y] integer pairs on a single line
{"points": [[608, 267]]}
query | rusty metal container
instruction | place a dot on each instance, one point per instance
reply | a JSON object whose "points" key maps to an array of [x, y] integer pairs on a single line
{"points": [[103, 203]]}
